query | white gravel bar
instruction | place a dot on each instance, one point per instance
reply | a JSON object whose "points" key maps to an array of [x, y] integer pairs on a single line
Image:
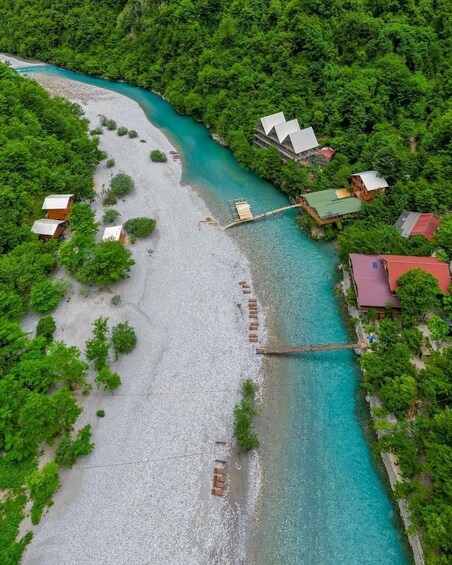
{"points": [[143, 495]]}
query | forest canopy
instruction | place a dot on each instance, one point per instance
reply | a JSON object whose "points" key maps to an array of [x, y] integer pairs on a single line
{"points": [[369, 76]]}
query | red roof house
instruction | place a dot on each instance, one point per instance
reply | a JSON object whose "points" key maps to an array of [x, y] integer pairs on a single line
{"points": [[427, 225], [397, 265], [371, 283], [416, 223]]}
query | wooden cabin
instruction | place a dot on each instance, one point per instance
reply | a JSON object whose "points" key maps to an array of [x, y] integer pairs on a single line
{"points": [[114, 233], [291, 141], [58, 206], [330, 206], [366, 184], [48, 228]]}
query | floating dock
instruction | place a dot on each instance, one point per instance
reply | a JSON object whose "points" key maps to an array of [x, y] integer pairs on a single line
{"points": [[243, 212]]}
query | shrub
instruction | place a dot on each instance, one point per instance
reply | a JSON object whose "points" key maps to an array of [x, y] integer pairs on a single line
{"points": [[110, 163], [100, 413], [44, 297], [108, 380], [243, 418], [42, 486], [102, 120], [158, 156], [124, 339], [132, 133], [140, 227], [110, 216], [109, 199], [122, 131], [97, 131], [111, 125], [121, 184], [46, 328], [116, 300]]}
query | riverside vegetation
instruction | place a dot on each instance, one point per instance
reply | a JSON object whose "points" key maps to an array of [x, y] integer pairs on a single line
{"points": [[45, 148], [244, 414]]}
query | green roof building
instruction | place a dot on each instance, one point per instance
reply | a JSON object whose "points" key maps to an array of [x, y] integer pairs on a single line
{"points": [[329, 206]]}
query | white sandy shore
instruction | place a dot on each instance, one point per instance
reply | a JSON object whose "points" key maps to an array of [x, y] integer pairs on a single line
{"points": [[143, 495]]}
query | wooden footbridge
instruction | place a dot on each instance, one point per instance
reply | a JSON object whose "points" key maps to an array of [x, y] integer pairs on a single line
{"points": [[243, 212], [309, 348]]}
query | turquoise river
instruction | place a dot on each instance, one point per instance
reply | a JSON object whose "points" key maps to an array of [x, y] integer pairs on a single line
{"points": [[324, 498]]}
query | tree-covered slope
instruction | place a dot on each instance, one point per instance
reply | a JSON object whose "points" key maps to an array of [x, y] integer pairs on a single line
{"points": [[371, 77], [44, 148]]}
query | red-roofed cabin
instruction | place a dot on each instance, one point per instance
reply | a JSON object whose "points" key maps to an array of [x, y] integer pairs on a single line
{"points": [[416, 223], [324, 155], [427, 225], [397, 265]]}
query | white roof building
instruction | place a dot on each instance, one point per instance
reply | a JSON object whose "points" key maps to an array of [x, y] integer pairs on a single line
{"points": [[269, 122], [46, 226], [284, 129], [372, 180], [303, 140], [112, 233], [56, 201]]}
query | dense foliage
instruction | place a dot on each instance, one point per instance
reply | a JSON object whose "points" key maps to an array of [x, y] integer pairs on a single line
{"points": [[370, 77], [422, 437], [44, 148]]}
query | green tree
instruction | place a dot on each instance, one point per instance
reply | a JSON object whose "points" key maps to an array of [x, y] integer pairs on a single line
{"points": [[11, 304], [46, 327], [439, 328], [444, 235], [108, 380], [388, 332], [399, 394], [109, 262], [69, 450], [124, 338], [42, 486], [65, 364], [418, 292], [98, 347], [44, 297]]}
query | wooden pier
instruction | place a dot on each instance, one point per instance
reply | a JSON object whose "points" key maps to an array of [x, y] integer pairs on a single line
{"points": [[242, 205], [309, 348]]}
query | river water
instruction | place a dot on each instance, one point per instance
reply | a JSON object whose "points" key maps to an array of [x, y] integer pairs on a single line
{"points": [[324, 499]]}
